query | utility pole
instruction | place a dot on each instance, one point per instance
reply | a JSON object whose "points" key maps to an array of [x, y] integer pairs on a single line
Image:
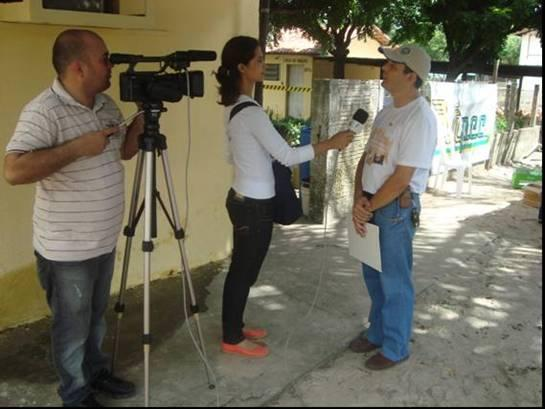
{"points": [[264, 14]]}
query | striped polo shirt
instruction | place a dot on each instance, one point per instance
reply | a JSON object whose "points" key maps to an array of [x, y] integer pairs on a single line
{"points": [[78, 211]]}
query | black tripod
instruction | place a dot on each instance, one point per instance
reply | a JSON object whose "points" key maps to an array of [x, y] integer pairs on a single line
{"points": [[150, 143]]}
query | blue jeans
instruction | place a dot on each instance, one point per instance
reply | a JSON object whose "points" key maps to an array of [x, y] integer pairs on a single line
{"points": [[392, 291], [78, 295]]}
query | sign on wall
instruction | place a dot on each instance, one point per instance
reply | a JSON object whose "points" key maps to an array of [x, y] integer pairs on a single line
{"points": [[466, 115]]}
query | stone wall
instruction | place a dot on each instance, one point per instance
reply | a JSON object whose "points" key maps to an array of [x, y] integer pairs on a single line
{"points": [[332, 177]]}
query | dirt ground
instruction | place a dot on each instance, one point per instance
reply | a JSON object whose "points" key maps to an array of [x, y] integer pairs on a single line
{"points": [[478, 324], [477, 337]]}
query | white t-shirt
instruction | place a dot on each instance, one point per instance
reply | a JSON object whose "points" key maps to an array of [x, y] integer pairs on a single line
{"points": [[253, 143], [405, 136], [78, 210]]}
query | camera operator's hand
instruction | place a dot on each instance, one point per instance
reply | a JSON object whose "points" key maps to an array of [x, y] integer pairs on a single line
{"points": [[93, 143], [361, 214], [341, 140], [30, 167]]}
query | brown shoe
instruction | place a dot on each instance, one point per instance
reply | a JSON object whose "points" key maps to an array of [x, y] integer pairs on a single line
{"points": [[378, 362], [362, 345]]}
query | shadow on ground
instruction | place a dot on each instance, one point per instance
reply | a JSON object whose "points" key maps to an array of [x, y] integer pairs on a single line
{"points": [[25, 354]]}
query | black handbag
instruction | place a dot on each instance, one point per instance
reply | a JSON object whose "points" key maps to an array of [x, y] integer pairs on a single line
{"points": [[287, 206]]}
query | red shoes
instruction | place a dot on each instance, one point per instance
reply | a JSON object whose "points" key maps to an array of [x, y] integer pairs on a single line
{"points": [[254, 333], [249, 348], [255, 351]]}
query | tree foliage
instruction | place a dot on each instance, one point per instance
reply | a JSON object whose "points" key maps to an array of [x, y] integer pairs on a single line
{"points": [[475, 31], [462, 32], [510, 54], [333, 23]]}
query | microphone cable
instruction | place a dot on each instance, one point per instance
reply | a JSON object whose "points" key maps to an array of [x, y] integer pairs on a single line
{"points": [[325, 255], [200, 351]]}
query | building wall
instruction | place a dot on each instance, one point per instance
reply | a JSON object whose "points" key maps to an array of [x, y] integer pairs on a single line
{"points": [[324, 70], [531, 53], [365, 48], [26, 70], [275, 94]]}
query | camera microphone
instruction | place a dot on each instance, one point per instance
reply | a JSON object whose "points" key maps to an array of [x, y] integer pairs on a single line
{"points": [[176, 60], [195, 55], [125, 58], [358, 120]]}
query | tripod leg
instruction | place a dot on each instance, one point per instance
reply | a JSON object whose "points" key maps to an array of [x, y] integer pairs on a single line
{"points": [[147, 247], [179, 234], [129, 233]]}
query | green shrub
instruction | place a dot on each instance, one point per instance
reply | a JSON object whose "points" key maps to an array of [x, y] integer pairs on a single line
{"points": [[289, 128], [501, 123]]}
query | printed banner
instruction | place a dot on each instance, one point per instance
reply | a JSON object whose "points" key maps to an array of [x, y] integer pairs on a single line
{"points": [[466, 115]]}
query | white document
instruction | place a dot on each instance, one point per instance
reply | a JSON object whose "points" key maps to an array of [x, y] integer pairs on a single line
{"points": [[365, 249]]}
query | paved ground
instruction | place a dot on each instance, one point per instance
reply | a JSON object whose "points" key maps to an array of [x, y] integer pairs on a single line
{"points": [[477, 336]]}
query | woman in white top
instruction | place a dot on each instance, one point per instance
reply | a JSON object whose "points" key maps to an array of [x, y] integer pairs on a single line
{"points": [[253, 143]]}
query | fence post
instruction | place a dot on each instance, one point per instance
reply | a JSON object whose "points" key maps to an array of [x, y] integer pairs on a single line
{"points": [[507, 100], [533, 116], [496, 71], [519, 94], [510, 116]]}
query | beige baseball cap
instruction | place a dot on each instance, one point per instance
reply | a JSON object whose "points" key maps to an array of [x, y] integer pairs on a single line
{"points": [[413, 56]]}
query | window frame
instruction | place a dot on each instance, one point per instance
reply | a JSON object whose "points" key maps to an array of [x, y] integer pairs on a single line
{"points": [[32, 11], [278, 72]]}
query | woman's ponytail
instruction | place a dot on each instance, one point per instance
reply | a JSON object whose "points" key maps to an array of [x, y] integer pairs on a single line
{"points": [[238, 50]]}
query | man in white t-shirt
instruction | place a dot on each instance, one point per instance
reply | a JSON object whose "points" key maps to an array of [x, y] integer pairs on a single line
{"points": [[68, 141], [390, 177]]}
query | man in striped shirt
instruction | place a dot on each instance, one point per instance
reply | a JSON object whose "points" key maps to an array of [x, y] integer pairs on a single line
{"points": [[69, 141]]}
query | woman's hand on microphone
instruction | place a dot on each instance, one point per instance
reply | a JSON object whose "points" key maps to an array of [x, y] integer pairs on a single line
{"points": [[338, 141], [341, 140]]}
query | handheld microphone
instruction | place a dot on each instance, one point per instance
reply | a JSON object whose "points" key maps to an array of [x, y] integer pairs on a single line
{"points": [[358, 120]]}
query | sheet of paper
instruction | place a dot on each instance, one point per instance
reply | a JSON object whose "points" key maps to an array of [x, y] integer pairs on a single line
{"points": [[365, 249]]}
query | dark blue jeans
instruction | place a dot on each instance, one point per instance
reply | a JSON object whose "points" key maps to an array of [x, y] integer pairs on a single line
{"points": [[252, 231], [392, 291], [77, 294]]}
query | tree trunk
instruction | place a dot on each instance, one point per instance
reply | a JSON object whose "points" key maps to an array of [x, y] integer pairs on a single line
{"points": [[340, 55], [339, 66], [264, 13], [455, 68]]}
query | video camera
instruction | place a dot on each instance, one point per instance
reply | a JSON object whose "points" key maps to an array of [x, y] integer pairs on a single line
{"points": [[158, 86]]}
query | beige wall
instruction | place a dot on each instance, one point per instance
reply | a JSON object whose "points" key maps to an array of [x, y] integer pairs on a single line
{"points": [[365, 48], [26, 71], [276, 100], [324, 70]]}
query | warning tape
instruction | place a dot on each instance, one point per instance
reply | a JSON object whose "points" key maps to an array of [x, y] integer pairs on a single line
{"points": [[285, 88]]}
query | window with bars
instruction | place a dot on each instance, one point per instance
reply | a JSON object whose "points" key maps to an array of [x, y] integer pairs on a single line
{"points": [[272, 72], [130, 14], [96, 6]]}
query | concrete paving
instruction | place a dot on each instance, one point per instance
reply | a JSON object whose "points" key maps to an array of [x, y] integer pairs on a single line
{"points": [[477, 335]]}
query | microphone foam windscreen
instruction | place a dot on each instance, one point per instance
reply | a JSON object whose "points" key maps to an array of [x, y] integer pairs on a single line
{"points": [[361, 116]]}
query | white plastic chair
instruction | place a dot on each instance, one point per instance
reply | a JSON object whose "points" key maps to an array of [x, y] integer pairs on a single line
{"points": [[453, 160]]}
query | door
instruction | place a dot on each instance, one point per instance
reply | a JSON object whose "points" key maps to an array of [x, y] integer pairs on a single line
{"points": [[296, 101]]}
